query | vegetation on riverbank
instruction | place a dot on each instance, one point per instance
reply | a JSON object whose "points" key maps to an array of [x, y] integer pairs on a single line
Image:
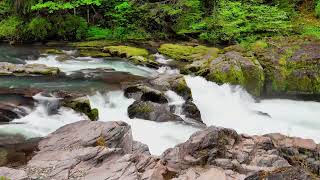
{"points": [[220, 21]]}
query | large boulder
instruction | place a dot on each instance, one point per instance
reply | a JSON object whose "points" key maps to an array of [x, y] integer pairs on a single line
{"points": [[94, 150], [292, 67], [152, 111], [28, 69], [234, 68]]}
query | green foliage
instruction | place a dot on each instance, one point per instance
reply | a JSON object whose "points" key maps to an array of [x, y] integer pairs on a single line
{"points": [[312, 31], [317, 9], [242, 21], [9, 28], [52, 6], [213, 21], [39, 28], [69, 27]]}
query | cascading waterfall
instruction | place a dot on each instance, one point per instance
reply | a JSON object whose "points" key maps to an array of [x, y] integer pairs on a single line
{"points": [[232, 107], [158, 136]]}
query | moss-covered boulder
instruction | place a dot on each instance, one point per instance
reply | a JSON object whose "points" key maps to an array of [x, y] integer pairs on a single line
{"points": [[28, 69], [135, 55], [291, 66], [52, 51], [125, 51], [188, 53], [82, 105], [93, 53], [232, 67]]}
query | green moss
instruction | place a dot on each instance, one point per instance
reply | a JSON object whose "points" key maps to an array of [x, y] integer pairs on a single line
{"points": [[101, 142], [83, 105], [125, 51], [93, 53], [93, 44], [143, 108], [259, 45], [3, 157], [188, 53], [53, 51], [233, 76]]}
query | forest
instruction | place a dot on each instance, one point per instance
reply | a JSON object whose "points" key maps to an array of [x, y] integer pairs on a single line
{"points": [[208, 21]]}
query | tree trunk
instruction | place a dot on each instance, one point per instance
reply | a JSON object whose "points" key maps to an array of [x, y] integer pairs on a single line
{"points": [[88, 15]]}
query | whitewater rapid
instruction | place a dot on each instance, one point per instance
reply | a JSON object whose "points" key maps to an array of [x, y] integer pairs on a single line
{"points": [[220, 105], [74, 64], [232, 107]]}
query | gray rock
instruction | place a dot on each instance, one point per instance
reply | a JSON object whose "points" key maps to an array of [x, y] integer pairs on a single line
{"points": [[152, 111], [145, 93], [13, 174]]}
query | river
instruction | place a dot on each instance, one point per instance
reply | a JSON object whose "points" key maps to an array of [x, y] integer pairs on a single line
{"points": [[220, 105]]}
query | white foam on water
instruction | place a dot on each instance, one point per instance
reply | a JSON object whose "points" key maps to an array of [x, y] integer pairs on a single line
{"points": [[233, 107], [76, 64], [39, 123]]}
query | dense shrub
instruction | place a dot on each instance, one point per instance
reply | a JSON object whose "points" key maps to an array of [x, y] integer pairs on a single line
{"points": [[9, 28], [69, 27], [39, 28], [317, 9]]}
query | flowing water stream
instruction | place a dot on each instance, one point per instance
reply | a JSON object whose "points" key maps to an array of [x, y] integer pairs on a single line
{"points": [[220, 105]]}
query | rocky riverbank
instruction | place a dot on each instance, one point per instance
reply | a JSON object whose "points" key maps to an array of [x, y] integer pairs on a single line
{"points": [[106, 150]]}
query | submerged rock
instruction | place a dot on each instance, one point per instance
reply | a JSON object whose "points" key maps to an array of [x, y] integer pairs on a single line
{"points": [[152, 111], [28, 69]]}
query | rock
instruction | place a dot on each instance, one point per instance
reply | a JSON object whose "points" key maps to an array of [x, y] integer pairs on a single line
{"points": [[188, 53], [15, 150], [145, 93], [125, 51], [72, 152], [176, 83], [82, 105], [12, 174], [202, 148], [190, 110], [93, 53], [135, 55], [232, 67], [152, 111], [28, 69], [8, 112], [282, 174], [52, 51], [291, 67]]}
